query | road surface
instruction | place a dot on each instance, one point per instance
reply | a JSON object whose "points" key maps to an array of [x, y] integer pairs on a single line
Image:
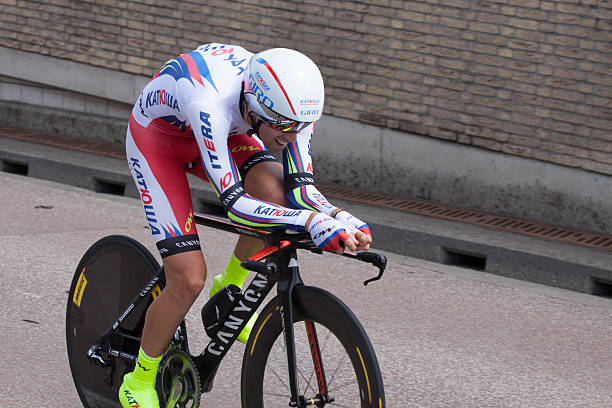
{"points": [[444, 336]]}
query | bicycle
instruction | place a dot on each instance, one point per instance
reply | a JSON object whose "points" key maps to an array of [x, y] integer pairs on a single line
{"points": [[118, 278]]}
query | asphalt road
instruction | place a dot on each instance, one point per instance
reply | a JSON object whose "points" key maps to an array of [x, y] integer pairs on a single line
{"points": [[444, 336]]}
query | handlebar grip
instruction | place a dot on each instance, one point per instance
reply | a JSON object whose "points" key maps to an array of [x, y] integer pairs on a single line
{"points": [[378, 260]]}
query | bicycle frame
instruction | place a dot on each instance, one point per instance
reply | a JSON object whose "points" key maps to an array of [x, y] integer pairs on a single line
{"points": [[281, 269]]}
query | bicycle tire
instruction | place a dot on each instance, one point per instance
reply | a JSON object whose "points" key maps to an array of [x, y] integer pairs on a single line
{"points": [[330, 315], [110, 274]]}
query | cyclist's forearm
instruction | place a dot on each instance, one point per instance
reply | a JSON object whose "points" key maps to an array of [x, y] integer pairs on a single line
{"points": [[308, 197], [255, 213], [300, 190]]}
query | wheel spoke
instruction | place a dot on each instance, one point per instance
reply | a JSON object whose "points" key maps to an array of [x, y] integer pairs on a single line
{"points": [[277, 394], [308, 382], [344, 384], [325, 340], [338, 405], [280, 379], [340, 362]]}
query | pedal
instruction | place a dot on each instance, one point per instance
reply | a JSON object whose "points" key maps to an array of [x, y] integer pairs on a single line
{"points": [[94, 356]]}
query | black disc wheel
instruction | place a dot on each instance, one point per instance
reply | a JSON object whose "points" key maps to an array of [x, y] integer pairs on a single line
{"points": [[336, 363], [110, 275]]}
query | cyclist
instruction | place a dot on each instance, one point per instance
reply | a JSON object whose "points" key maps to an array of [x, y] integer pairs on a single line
{"points": [[223, 114]]}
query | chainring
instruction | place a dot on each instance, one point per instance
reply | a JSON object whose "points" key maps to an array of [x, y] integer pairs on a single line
{"points": [[179, 381]]}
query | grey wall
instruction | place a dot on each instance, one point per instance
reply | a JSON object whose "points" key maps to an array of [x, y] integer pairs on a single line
{"points": [[395, 163], [71, 98]]}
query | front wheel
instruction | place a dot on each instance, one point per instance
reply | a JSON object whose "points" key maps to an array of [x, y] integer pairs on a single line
{"points": [[349, 366]]}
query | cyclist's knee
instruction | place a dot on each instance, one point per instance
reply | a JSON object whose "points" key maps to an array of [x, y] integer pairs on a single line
{"points": [[193, 283], [187, 286], [273, 194], [185, 275]]}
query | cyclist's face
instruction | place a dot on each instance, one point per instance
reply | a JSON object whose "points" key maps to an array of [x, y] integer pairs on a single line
{"points": [[275, 140]]}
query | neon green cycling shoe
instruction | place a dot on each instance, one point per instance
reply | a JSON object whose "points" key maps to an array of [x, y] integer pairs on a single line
{"points": [[132, 396], [219, 282]]}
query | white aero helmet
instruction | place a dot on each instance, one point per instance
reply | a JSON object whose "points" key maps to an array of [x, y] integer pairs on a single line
{"points": [[284, 89]]}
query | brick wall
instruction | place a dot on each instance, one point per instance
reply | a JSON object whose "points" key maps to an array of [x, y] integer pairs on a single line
{"points": [[530, 78]]}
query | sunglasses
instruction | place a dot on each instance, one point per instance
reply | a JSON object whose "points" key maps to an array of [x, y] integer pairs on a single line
{"points": [[272, 119]]}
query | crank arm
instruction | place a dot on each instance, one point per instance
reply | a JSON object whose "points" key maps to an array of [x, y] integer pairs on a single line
{"points": [[176, 393], [94, 355]]}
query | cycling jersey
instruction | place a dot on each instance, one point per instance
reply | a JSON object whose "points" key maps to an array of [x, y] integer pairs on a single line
{"points": [[190, 112]]}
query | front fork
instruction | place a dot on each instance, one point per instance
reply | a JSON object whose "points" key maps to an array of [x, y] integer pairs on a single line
{"points": [[289, 279]]}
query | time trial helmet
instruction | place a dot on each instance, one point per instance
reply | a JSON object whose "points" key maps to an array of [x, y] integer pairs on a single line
{"points": [[284, 89]]}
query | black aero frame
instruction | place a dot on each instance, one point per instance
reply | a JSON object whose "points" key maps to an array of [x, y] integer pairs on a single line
{"points": [[276, 263]]}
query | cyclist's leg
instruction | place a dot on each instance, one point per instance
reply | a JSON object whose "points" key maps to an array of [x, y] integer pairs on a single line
{"points": [[157, 159], [265, 182], [185, 277], [262, 175]]}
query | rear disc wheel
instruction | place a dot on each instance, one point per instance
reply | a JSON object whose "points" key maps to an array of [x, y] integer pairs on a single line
{"points": [[110, 274]]}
